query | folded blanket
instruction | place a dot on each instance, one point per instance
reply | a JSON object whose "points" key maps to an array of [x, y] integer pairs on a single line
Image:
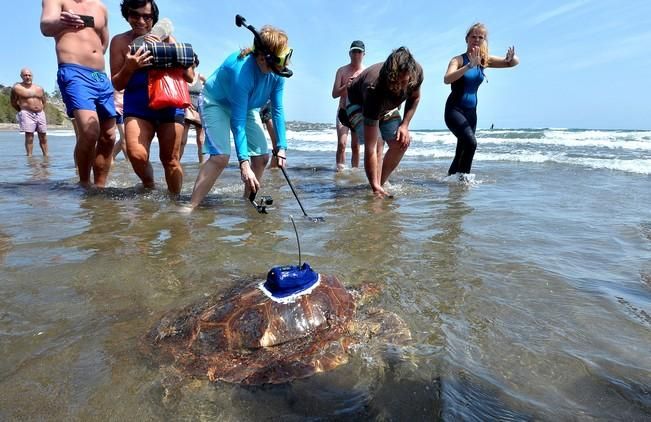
{"points": [[166, 55]]}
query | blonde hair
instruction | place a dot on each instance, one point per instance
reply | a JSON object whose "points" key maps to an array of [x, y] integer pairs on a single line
{"points": [[483, 50], [274, 39]]}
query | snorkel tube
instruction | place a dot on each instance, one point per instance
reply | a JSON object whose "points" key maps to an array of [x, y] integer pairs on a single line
{"points": [[269, 57]]}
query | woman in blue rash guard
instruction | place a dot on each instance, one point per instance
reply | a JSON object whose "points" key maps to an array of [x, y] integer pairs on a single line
{"points": [[232, 96], [466, 73]]}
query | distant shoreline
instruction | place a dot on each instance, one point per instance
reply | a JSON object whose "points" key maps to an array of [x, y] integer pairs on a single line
{"points": [[292, 125], [13, 127], [299, 125]]}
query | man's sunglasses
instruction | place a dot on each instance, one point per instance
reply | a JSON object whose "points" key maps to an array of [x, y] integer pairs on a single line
{"points": [[147, 17]]}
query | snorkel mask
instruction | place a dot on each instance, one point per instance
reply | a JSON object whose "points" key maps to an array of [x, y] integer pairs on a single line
{"points": [[277, 64]]}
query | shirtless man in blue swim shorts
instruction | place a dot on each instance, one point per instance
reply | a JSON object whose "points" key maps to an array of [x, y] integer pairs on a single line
{"points": [[80, 31]]}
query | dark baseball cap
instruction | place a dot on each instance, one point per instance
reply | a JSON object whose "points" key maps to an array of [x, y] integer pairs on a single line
{"points": [[357, 45]]}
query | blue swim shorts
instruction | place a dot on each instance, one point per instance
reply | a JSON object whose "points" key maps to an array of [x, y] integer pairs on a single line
{"points": [[84, 88], [216, 120], [389, 122]]}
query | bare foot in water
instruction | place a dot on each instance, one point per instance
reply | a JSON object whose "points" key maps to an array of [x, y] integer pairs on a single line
{"points": [[380, 193], [185, 209]]}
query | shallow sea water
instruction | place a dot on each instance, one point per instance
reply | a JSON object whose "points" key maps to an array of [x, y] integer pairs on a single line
{"points": [[527, 292]]}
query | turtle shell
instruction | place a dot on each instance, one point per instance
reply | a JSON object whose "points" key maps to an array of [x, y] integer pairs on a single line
{"points": [[245, 337]]}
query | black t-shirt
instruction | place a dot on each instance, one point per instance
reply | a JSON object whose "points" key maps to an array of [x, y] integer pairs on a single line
{"points": [[374, 99]]}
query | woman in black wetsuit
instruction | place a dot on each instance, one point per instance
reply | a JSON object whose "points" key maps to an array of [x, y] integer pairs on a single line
{"points": [[465, 73]]}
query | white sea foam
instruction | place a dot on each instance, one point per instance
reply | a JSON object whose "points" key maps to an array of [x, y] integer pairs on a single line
{"points": [[604, 139], [628, 151], [460, 178], [312, 135], [640, 166], [60, 133]]}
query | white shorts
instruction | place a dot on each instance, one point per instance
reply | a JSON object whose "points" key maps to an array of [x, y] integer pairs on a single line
{"points": [[30, 122]]}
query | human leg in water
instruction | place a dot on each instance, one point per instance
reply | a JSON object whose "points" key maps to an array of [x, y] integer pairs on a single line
{"points": [[462, 122]]}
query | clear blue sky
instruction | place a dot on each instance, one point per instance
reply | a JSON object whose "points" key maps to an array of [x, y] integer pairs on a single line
{"points": [[584, 63]]}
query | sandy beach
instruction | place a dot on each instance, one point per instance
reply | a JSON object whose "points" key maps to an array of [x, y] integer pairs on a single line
{"points": [[8, 127]]}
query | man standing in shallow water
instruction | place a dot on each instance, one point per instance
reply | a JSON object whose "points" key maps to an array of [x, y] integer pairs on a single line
{"points": [[29, 101], [374, 99], [343, 78], [80, 31]]}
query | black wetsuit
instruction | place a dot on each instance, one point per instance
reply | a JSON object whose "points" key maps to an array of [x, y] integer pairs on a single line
{"points": [[461, 116]]}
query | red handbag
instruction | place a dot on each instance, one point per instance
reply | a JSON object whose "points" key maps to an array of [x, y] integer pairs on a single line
{"points": [[167, 88]]}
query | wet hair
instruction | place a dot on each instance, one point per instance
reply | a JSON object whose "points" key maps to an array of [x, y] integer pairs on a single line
{"points": [[128, 5], [483, 50], [274, 39], [400, 61]]}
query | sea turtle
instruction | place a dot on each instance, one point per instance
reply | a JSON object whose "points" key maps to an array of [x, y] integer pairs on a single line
{"points": [[246, 337]]}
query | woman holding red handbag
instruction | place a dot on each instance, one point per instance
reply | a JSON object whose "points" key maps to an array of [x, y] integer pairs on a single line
{"points": [[130, 72]]}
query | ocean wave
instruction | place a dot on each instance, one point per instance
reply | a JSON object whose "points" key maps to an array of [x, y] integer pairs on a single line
{"points": [[636, 140], [312, 135], [630, 164], [613, 143], [639, 166], [621, 150], [60, 133]]}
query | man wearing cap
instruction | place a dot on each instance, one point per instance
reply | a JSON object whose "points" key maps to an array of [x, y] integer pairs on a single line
{"points": [[343, 78]]}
